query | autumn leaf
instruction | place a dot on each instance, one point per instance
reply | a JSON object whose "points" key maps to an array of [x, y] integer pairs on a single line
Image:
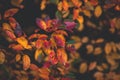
{"points": [[59, 40], [44, 73], [2, 57], [75, 13], [59, 6], [24, 42], [16, 47], [9, 32], [10, 12], [43, 5], [17, 3], [38, 55], [17, 57], [62, 55], [70, 25], [38, 44], [41, 24], [98, 11], [65, 5], [26, 62], [108, 48], [34, 67], [83, 68]]}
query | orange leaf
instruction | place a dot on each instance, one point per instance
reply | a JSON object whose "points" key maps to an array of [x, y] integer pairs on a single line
{"points": [[22, 41], [26, 62], [62, 55], [43, 5], [39, 44], [65, 5], [75, 13], [98, 11], [44, 73], [2, 57], [17, 57], [16, 47], [34, 67], [10, 12]]}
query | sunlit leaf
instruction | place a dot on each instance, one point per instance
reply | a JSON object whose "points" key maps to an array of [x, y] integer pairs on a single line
{"points": [[59, 6], [62, 32], [41, 24], [62, 56], [2, 57], [38, 55], [24, 42], [98, 11], [75, 13], [10, 12], [87, 13], [26, 62], [16, 47], [65, 5], [43, 5], [17, 57], [83, 68]]}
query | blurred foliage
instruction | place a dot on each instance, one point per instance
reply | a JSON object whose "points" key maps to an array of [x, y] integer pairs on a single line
{"points": [[60, 40]]}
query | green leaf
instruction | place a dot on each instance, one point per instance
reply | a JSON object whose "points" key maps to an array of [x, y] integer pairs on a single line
{"points": [[54, 1], [59, 15], [70, 41]]}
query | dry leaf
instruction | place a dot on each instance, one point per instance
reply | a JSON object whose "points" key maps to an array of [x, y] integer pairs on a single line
{"points": [[98, 11], [43, 5], [65, 13], [39, 55], [59, 6], [99, 68], [26, 62], [87, 13], [83, 67], [108, 48]]}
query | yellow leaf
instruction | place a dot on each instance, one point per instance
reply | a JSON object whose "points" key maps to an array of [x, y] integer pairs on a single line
{"points": [[22, 41], [59, 6], [38, 55], [98, 11], [26, 62], [6, 26], [2, 57], [17, 57], [108, 48], [87, 13], [62, 55], [43, 5], [80, 19]]}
